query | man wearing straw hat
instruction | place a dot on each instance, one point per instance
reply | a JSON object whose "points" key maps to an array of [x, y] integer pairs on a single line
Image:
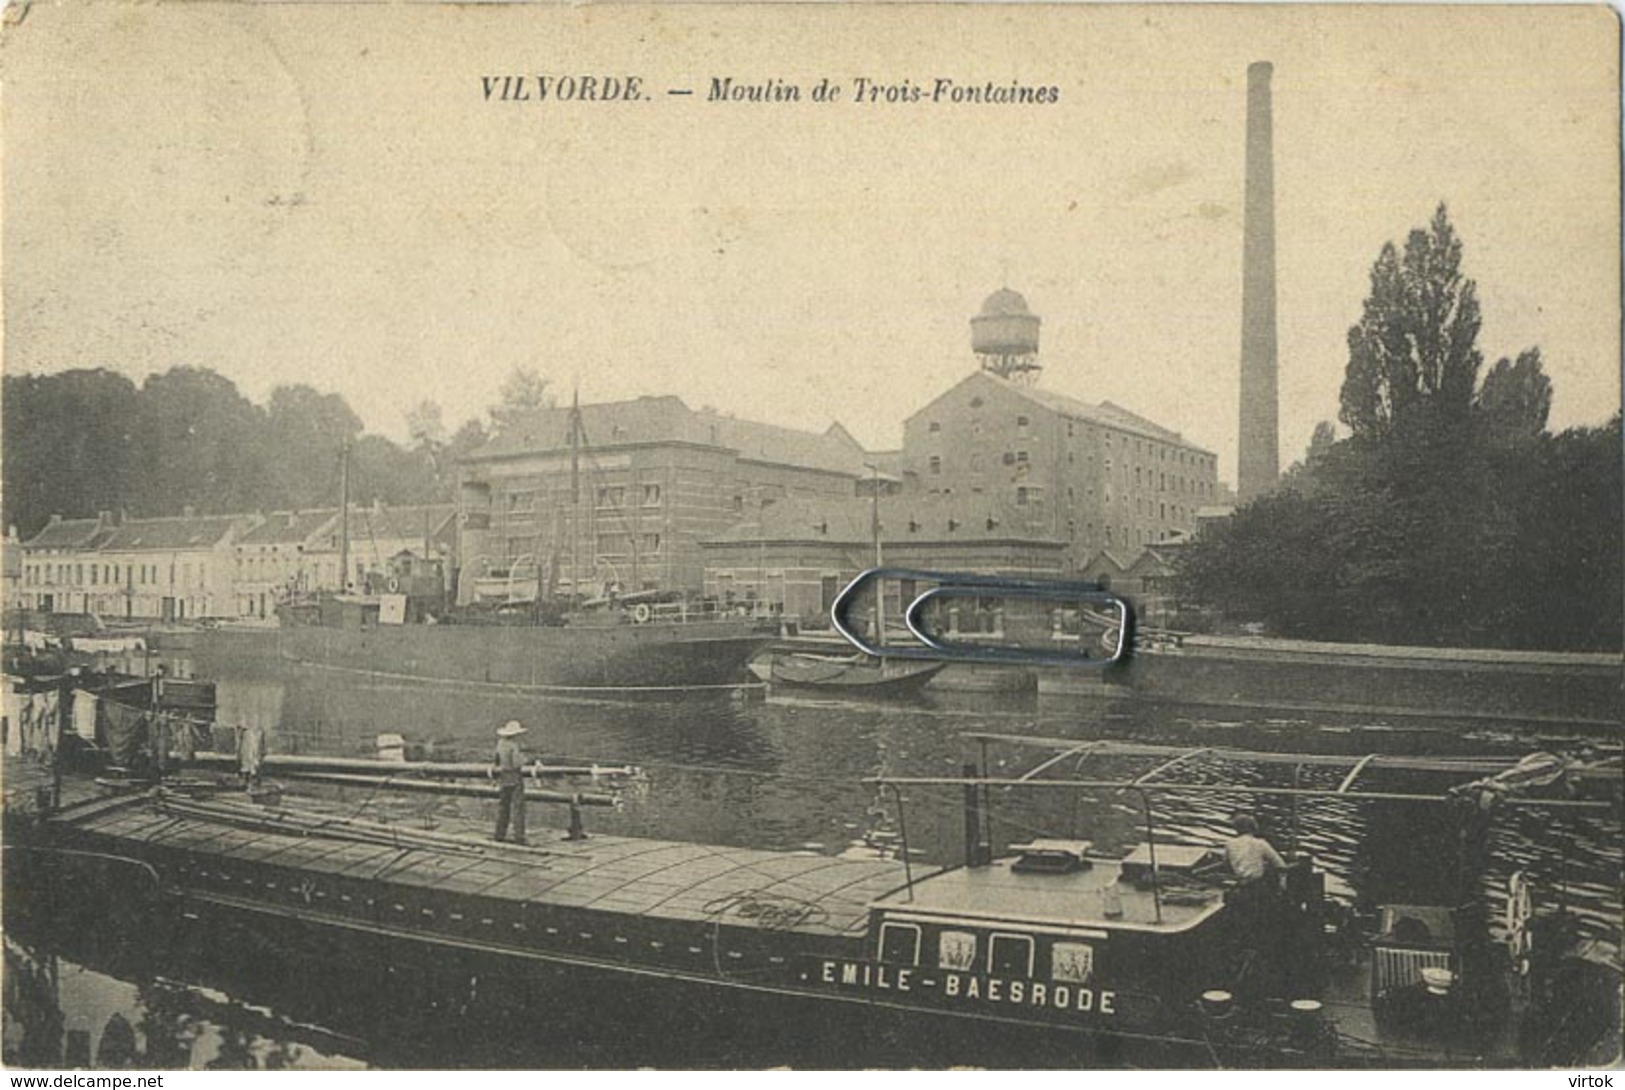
{"points": [[508, 766]]}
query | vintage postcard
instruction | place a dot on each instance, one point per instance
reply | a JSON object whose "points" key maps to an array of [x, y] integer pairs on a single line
{"points": [[440, 443]]}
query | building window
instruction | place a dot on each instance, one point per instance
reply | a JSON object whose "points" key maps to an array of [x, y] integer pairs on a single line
{"points": [[1021, 457], [933, 426], [651, 495], [936, 463], [95, 574], [1021, 421], [1021, 497], [651, 543], [1069, 429]]}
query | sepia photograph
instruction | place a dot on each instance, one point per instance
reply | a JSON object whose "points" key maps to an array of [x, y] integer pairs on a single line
{"points": [[813, 536]]}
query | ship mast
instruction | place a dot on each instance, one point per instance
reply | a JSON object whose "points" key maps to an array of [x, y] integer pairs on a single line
{"points": [[575, 492], [344, 517], [874, 532]]}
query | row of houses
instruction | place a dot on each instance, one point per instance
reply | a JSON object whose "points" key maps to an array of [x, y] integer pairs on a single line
{"points": [[192, 566]]}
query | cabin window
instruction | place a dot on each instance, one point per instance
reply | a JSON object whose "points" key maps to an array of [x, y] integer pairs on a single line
{"points": [[900, 943], [1072, 962], [956, 950], [1010, 955]]}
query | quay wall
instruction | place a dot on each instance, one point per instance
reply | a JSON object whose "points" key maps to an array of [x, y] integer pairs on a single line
{"points": [[1529, 687]]}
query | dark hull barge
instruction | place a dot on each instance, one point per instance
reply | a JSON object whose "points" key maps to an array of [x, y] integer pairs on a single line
{"points": [[1147, 954], [586, 658]]}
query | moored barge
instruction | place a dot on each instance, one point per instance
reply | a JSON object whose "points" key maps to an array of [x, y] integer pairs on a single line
{"points": [[1151, 950]]}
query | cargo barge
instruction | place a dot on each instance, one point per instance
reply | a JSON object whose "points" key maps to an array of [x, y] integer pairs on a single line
{"points": [[1152, 951], [622, 657]]}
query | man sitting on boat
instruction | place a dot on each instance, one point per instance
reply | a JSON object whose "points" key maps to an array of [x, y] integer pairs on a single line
{"points": [[508, 766]]}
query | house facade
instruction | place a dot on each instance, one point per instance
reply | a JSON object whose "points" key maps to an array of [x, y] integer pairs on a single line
{"points": [[169, 569]]}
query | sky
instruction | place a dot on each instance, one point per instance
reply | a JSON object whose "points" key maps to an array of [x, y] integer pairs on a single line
{"points": [[322, 194]]}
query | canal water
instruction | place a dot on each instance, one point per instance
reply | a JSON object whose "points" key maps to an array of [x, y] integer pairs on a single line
{"points": [[739, 770]]}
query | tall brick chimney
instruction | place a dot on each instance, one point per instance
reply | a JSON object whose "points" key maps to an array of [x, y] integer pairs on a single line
{"points": [[1258, 463]]}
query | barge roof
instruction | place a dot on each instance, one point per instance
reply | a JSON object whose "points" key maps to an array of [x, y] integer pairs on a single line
{"points": [[999, 893], [635, 876]]}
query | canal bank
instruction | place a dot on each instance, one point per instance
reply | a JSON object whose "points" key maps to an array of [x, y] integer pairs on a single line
{"points": [[1551, 688]]}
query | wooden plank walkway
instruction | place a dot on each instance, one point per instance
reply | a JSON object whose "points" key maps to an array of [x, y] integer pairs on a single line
{"points": [[651, 878]]}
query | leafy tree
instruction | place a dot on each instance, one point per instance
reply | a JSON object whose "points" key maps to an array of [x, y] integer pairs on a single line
{"points": [[1515, 398], [425, 426], [1412, 355], [199, 443], [305, 435], [1445, 517], [522, 391], [68, 443]]}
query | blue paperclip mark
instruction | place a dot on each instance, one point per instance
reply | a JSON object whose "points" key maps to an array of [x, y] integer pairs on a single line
{"points": [[949, 585]]}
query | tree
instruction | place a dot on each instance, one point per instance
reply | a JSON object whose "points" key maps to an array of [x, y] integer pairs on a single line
{"points": [[522, 391], [200, 443], [1445, 518], [1515, 398], [305, 435], [425, 426], [69, 439], [1413, 359]]}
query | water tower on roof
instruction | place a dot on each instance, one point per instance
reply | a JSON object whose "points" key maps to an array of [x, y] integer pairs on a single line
{"points": [[1004, 335]]}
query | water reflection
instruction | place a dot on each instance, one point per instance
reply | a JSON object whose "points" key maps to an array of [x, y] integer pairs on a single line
{"points": [[782, 774]]}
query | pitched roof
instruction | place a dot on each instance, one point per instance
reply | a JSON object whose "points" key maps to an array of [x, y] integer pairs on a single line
{"points": [[382, 522], [1105, 557], [1106, 413], [177, 532], [288, 527], [668, 420], [65, 534]]}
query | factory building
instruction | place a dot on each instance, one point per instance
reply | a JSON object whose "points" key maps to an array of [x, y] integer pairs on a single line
{"points": [[621, 494], [1094, 476]]}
